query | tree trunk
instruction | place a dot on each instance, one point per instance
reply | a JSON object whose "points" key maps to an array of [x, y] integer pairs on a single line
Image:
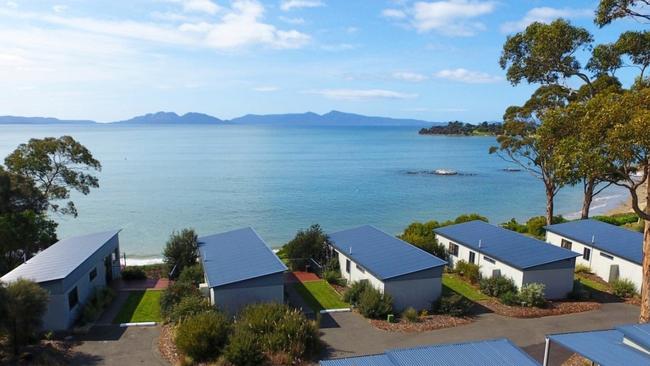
{"points": [[645, 286], [550, 196], [588, 198]]}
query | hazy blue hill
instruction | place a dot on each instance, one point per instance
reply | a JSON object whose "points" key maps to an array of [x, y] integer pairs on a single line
{"points": [[167, 118], [286, 118], [14, 120]]}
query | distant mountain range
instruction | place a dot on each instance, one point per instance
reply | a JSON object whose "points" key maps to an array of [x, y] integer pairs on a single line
{"points": [[333, 118]]}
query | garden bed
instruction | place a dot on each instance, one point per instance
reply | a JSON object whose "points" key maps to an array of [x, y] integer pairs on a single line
{"points": [[424, 324], [167, 346], [601, 291], [553, 308]]}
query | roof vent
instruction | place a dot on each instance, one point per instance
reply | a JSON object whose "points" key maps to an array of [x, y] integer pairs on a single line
{"points": [[593, 239], [350, 250], [480, 243]]}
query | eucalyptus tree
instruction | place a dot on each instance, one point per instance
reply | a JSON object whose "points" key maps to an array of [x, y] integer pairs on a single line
{"points": [[610, 10]]}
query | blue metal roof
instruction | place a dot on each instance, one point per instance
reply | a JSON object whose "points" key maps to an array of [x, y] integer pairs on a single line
{"points": [[605, 348], [236, 256], [504, 245], [495, 352], [637, 333], [616, 240], [382, 254], [60, 259]]}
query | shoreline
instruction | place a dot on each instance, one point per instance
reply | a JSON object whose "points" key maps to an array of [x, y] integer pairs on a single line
{"points": [[626, 206]]}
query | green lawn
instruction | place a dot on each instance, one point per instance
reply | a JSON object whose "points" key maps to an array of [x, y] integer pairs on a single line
{"points": [[141, 306], [452, 282], [591, 284], [319, 295]]}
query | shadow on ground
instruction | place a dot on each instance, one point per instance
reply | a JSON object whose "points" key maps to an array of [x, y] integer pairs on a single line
{"points": [[103, 333]]}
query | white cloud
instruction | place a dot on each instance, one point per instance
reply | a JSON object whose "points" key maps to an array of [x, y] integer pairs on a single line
{"points": [[59, 8], [292, 20], [266, 89], [544, 15], [361, 94], [467, 76], [393, 13], [287, 5], [409, 76], [197, 6], [11, 4], [452, 17], [338, 47]]}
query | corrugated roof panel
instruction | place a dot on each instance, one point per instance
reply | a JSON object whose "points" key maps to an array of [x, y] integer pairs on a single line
{"points": [[60, 259], [374, 360], [236, 256], [496, 352], [504, 245], [605, 348], [382, 254], [619, 241], [637, 333]]}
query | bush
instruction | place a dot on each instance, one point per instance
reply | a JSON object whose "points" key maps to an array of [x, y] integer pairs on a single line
{"points": [[26, 303], [310, 243], [513, 225], [583, 268], [96, 305], [496, 286], [532, 295], [181, 250], [619, 219], [422, 236], [133, 273], [203, 336], [332, 276], [510, 299], [243, 350], [411, 315], [578, 292], [353, 294], [623, 288], [192, 274], [375, 305], [174, 294], [454, 305], [535, 225], [189, 306], [469, 271]]}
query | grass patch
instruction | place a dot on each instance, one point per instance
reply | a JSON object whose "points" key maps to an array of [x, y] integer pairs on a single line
{"points": [[140, 306], [593, 285], [319, 295], [452, 282]]}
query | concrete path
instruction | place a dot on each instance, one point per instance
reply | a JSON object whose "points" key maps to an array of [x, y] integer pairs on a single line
{"points": [[348, 334]]}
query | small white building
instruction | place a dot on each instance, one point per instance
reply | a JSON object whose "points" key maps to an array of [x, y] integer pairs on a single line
{"points": [[501, 252], [610, 251], [410, 275], [240, 269], [71, 270]]}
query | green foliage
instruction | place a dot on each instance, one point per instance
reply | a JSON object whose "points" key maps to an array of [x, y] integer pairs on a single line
{"points": [[133, 273], [610, 10], [623, 288], [25, 305], [353, 294], [181, 251], [453, 304], [582, 269], [58, 165], [535, 225], [469, 271], [510, 298], [619, 219], [188, 307], [465, 129], [532, 295], [192, 274], [99, 301], [333, 276], [513, 225], [466, 218], [243, 350], [410, 314], [375, 305], [23, 234], [496, 286], [173, 294], [421, 235], [202, 337], [310, 243]]}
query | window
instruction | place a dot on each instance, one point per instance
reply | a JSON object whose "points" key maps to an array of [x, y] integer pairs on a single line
{"points": [[360, 269], [566, 244], [489, 260], [472, 257], [606, 255], [93, 274], [586, 254], [347, 265], [73, 298], [453, 249]]}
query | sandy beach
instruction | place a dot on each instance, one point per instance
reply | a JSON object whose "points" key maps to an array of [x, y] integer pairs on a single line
{"points": [[626, 206]]}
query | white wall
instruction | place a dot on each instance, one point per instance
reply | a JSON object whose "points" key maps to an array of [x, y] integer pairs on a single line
{"points": [[599, 264], [557, 282], [234, 299], [417, 293], [356, 274]]}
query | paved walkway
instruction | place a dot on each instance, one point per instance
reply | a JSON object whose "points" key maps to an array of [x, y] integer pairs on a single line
{"points": [[297, 276], [140, 285], [348, 334]]}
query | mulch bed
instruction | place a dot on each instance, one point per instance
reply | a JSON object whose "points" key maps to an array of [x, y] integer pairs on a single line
{"points": [[52, 353], [167, 346], [553, 308], [576, 360], [426, 323]]}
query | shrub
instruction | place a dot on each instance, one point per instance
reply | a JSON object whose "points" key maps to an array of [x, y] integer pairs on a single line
{"points": [[203, 336], [583, 268], [375, 305], [535, 225], [192, 274], [513, 225], [619, 219], [96, 305], [469, 271], [332, 276], [173, 295], [496, 286], [422, 236], [310, 243], [454, 305], [133, 273], [578, 292], [410, 314], [189, 306], [26, 303], [353, 294], [532, 295], [623, 288], [181, 250], [243, 350]]}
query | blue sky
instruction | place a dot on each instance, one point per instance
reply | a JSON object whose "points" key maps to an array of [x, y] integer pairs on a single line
{"points": [[110, 60]]}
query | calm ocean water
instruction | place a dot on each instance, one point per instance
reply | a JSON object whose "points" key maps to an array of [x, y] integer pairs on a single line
{"points": [[156, 179]]}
